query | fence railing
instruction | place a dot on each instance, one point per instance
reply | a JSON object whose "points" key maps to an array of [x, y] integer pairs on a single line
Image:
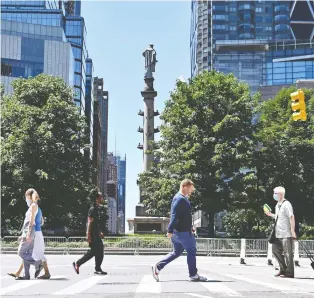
{"points": [[154, 245]]}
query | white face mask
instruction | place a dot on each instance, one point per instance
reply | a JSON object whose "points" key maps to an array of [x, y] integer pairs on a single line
{"points": [[29, 202]]}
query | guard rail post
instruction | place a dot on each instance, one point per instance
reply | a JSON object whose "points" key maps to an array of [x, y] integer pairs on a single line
{"points": [[242, 252]]}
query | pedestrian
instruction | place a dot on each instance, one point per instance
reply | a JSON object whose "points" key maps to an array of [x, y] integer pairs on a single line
{"points": [[39, 221], [94, 234], [284, 232], [180, 233], [27, 239]]}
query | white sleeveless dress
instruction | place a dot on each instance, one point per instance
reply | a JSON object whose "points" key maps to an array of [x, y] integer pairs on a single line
{"points": [[39, 246]]}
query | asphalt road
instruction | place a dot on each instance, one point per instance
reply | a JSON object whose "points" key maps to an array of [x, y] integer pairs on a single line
{"points": [[130, 276]]}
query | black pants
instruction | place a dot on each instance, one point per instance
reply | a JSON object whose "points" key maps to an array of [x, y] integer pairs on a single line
{"points": [[96, 250], [283, 252]]}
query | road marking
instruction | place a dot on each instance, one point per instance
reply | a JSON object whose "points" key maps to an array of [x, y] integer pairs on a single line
{"points": [[18, 286], [197, 295], [219, 287], [275, 286], [79, 286], [148, 285], [302, 281]]}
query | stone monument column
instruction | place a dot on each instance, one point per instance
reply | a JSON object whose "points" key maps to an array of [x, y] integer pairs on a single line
{"points": [[143, 222]]}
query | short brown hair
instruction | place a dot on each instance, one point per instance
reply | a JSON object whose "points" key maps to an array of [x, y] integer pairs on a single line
{"points": [[186, 182]]}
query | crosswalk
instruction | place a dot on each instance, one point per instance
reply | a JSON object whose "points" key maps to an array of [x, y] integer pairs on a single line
{"points": [[219, 285]]}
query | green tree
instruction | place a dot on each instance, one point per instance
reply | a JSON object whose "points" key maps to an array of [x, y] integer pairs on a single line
{"points": [[247, 223], [286, 155], [206, 135], [42, 143]]}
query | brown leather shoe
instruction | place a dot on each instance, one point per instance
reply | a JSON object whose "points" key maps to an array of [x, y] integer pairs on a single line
{"points": [[280, 274]]}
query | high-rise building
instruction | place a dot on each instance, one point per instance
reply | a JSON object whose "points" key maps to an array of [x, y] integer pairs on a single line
{"points": [[26, 54], [121, 166], [112, 188], [33, 20], [112, 215], [89, 104], [100, 133], [261, 42]]}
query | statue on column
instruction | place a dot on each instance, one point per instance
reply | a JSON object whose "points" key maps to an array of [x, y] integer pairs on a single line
{"points": [[150, 61]]}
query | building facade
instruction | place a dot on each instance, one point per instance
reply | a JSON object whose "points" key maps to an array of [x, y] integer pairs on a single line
{"points": [[121, 165], [28, 50], [89, 105], [101, 99], [247, 38], [64, 15], [112, 189], [112, 215]]}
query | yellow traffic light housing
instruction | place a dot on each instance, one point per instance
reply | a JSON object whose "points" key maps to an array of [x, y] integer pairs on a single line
{"points": [[298, 104]]}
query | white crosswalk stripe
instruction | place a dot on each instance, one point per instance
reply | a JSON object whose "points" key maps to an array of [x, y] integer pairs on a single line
{"points": [[145, 284], [148, 285], [276, 285], [197, 295], [18, 286], [219, 287], [80, 286]]}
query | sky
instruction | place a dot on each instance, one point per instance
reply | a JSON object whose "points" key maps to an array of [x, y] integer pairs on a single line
{"points": [[117, 34]]}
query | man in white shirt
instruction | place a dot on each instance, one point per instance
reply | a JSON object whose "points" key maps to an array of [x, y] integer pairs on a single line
{"points": [[285, 233]]}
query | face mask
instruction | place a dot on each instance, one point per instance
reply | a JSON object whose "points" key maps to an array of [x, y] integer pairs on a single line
{"points": [[276, 197], [29, 202]]}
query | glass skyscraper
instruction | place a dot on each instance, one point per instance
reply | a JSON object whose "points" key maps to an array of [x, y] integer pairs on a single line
{"points": [[261, 42], [89, 103], [48, 37], [121, 164], [53, 13]]}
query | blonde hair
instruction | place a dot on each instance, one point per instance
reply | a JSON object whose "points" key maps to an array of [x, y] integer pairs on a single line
{"points": [[186, 182], [33, 193], [280, 189]]}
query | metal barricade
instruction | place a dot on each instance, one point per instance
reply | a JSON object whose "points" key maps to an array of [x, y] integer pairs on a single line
{"points": [[121, 244], [256, 247], [309, 244], [224, 247], [55, 244], [154, 245]]}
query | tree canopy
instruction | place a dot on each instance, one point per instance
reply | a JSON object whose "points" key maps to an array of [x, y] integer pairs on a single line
{"points": [[43, 139]]}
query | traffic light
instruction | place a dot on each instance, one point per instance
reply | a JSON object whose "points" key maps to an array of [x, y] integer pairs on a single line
{"points": [[298, 104]]}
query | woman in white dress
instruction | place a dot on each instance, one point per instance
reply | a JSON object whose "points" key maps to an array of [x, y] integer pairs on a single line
{"points": [[46, 275], [32, 246]]}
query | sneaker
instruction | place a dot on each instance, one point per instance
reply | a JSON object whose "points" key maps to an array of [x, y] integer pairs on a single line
{"points": [[198, 278], [286, 275], [155, 272], [41, 266], [280, 273], [100, 272], [76, 268]]}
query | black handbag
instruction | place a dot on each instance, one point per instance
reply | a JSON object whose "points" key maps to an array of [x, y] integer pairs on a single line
{"points": [[272, 236]]}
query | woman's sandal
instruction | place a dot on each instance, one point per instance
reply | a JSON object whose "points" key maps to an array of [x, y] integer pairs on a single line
{"points": [[13, 275], [45, 276]]}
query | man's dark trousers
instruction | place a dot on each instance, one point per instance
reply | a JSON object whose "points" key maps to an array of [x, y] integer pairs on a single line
{"points": [[283, 252], [181, 241], [96, 250]]}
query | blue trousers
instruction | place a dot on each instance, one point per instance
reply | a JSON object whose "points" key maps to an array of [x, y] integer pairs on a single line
{"points": [[25, 251], [182, 241]]}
